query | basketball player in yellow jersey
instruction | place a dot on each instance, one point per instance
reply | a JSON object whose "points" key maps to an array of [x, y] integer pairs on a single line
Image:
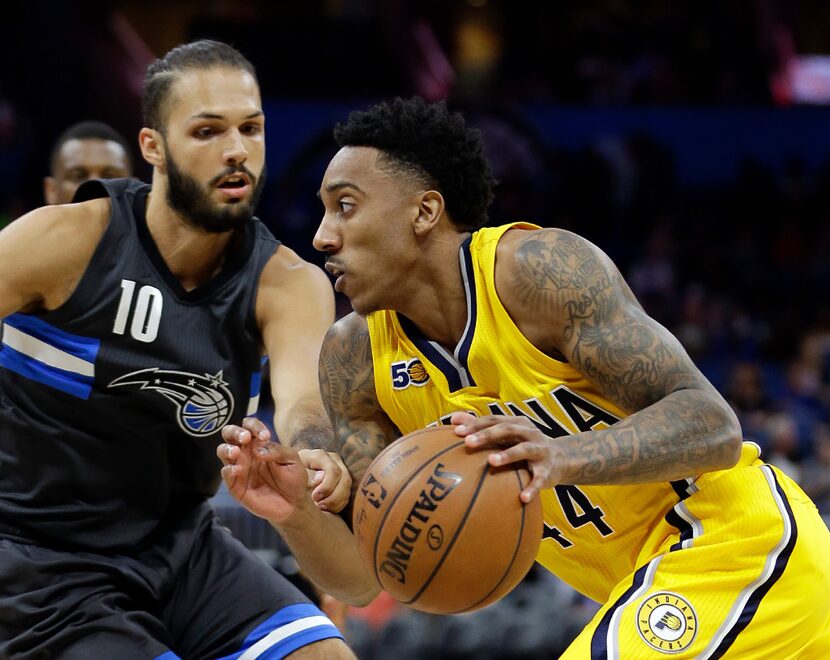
{"points": [[653, 505]]}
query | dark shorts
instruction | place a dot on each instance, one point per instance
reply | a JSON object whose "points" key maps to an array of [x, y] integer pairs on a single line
{"points": [[198, 593]]}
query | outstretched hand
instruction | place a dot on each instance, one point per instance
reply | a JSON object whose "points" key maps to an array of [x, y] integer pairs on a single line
{"points": [[328, 478], [522, 442], [266, 477]]}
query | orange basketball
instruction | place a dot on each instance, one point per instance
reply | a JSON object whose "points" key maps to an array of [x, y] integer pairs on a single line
{"points": [[442, 530]]}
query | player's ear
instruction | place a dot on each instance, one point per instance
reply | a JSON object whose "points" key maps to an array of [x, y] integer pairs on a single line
{"points": [[430, 211], [152, 147], [50, 190]]}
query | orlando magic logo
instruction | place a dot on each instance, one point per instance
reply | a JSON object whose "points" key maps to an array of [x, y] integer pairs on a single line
{"points": [[204, 403]]}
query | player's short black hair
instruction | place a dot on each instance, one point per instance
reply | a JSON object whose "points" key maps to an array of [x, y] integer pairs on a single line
{"points": [[88, 130], [203, 54], [428, 142]]}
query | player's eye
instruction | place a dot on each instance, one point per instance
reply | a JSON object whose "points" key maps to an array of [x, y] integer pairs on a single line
{"points": [[77, 175]]}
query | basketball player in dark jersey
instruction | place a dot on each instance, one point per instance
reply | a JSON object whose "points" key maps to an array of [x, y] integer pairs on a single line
{"points": [[135, 325], [653, 505]]}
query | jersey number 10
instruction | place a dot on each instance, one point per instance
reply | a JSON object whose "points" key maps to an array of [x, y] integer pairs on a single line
{"points": [[146, 312]]}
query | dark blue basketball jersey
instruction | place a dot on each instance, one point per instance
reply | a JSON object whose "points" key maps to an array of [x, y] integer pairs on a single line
{"points": [[111, 405]]}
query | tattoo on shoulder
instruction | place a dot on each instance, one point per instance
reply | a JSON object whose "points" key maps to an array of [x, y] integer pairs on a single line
{"points": [[347, 385], [603, 331]]}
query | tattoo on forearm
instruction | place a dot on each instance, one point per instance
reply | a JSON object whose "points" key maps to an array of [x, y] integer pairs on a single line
{"points": [[347, 384], [683, 436]]}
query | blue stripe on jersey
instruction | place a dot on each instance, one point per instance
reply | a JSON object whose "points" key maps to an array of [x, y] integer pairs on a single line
{"points": [[599, 642], [440, 358], [286, 631], [761, 590], [253, 400], [66, 381], [453, 366], [462, 351], [684, 527], [84, 348], [256, 383], [169, 655], [681, 488]]}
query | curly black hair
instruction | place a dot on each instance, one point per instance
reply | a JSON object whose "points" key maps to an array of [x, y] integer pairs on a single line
{"points": [[428, 142]]}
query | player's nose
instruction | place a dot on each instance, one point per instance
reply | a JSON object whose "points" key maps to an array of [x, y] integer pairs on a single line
{"points": [[326, 239], [235, 152]]}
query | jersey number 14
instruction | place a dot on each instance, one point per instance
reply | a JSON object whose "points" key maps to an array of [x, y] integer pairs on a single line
{"points": [[579, 511]]}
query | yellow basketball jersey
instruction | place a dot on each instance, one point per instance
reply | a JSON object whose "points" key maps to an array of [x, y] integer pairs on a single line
{"points": [[594, 535]]}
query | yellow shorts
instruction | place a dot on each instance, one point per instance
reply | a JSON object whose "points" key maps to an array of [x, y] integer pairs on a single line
{"points": [[741, 569]]}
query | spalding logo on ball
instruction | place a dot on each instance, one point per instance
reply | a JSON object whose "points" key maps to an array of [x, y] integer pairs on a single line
{"points": [[441, 529]]}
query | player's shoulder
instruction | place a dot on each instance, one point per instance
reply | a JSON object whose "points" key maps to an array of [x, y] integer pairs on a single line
{"points": [[520, 244], [350, 326], [64, 233], [285, 269], [62, 240], [83, 219], [545, 256]]}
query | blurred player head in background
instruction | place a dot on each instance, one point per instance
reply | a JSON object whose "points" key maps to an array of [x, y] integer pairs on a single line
{"points": [[86, 150]]}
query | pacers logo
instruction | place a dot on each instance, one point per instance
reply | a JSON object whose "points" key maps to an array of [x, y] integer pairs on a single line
{"points": [[667, 622], [409, 372]]}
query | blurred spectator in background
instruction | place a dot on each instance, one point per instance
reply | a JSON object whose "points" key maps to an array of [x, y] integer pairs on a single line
{"points": [[748, 397], [86, 150], [815, 475]]}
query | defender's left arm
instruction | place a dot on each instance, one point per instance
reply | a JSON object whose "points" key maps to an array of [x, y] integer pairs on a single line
{"points": [[571, 301]]}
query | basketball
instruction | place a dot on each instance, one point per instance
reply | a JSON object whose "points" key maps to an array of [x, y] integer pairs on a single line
{"points": [[442, 530]]}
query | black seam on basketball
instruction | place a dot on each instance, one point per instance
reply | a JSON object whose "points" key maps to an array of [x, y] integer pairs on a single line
{"points": [[389, 508], [512, 559], [463, 522]]}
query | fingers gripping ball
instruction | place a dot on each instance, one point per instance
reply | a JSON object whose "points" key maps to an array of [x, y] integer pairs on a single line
{"points": [[443, 531]]}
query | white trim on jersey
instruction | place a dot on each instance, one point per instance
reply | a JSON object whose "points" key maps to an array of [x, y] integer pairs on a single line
{"points": [[46, 353], [253, 405]]}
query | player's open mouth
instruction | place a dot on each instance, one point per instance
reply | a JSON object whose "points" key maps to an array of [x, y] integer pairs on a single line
{"points": [[338, 273], [234, 186]]}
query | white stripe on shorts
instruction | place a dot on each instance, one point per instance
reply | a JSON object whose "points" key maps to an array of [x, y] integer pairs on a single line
{"points": [[276, 636]]}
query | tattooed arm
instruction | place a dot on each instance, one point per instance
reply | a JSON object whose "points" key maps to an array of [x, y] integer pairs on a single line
{"points": [[347, 382], [570, 300], [268, 479]]}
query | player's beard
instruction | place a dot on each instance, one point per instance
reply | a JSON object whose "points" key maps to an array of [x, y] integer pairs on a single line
{"points": [[191, 201]]}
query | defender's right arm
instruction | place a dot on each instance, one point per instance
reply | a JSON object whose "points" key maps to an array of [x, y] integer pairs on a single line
{"points": [[44, 253], [269, 480]]}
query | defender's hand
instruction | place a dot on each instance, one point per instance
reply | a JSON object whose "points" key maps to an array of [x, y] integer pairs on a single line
{"points": [[267, 478]]}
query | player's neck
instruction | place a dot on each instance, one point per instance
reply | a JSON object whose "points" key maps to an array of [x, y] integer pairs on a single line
{"points": [[193, 256], [434, 298]]}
